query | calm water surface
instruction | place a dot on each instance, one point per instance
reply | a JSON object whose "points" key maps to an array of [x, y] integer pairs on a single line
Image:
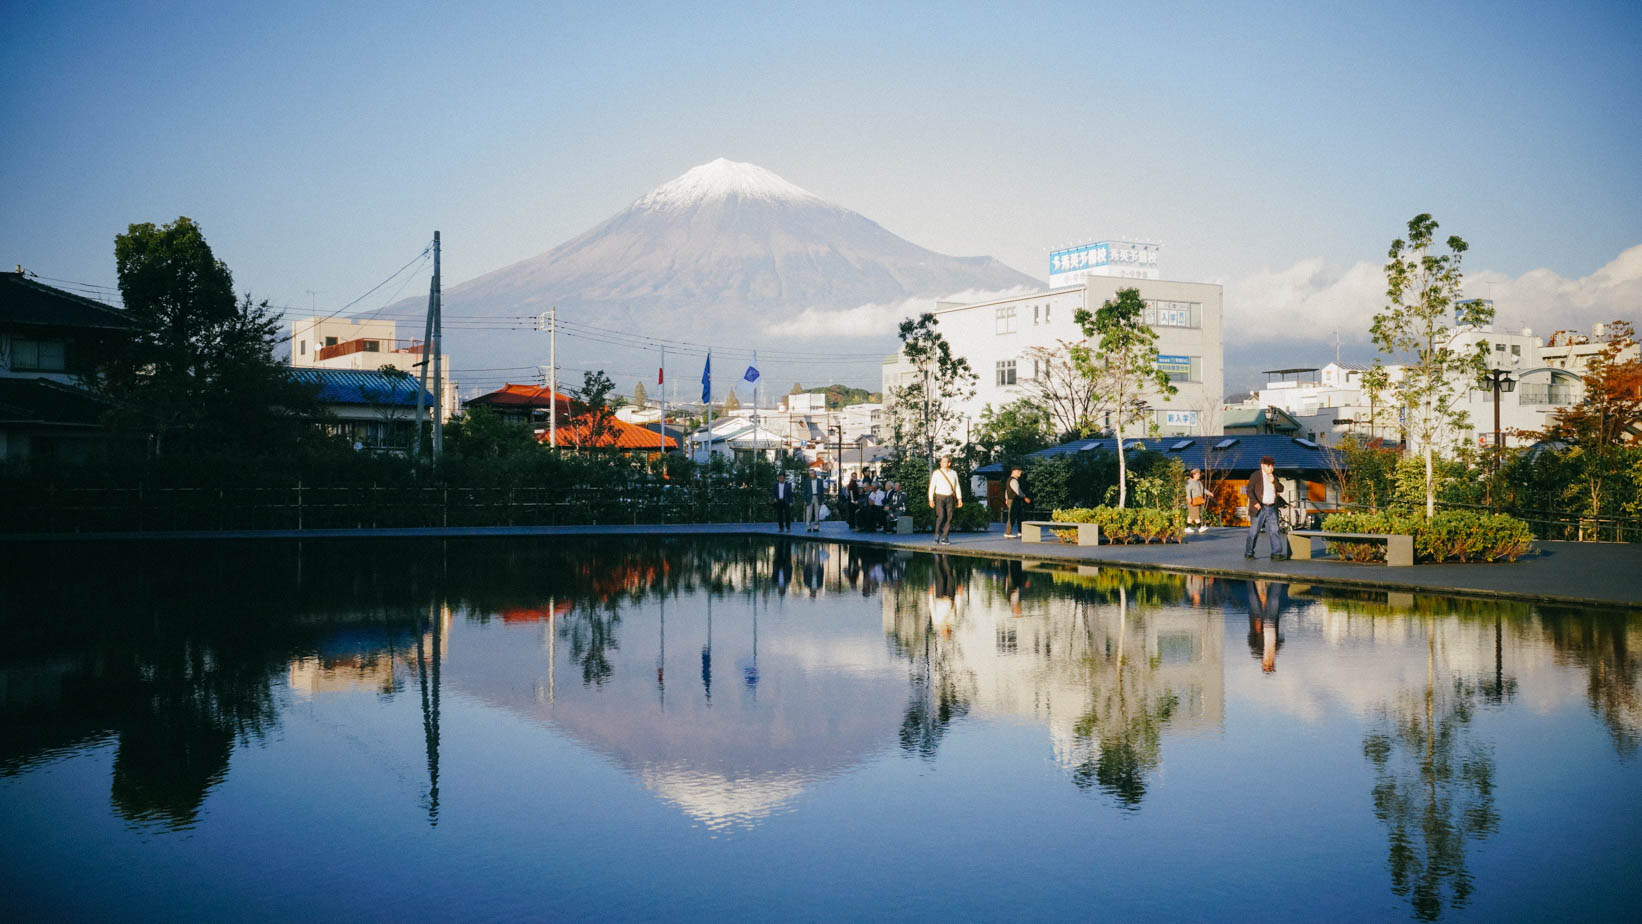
{"points": [[706, 729]]}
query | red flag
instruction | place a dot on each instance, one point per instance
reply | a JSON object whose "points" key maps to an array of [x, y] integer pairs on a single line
{"points": [[661, 372]]}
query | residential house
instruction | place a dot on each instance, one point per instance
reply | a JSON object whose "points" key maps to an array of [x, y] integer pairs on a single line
{"points": [[48, 337]]}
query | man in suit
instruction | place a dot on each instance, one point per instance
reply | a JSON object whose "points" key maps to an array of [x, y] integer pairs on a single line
{"points": [[781, 498], [1265, 493], [1014, 502]]}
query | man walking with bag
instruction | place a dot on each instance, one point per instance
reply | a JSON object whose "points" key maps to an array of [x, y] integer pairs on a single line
{"points": [[945, 497]]}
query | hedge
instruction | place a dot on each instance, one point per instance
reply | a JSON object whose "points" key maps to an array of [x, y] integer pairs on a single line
{"points": [[1123, 525], [1451, 535]]}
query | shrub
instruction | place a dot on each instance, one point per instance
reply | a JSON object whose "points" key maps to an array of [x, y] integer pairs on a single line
{"points": [[1452, 535], [1122, 525]]}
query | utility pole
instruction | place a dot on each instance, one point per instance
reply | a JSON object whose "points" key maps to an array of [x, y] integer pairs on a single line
{"points": [[553, 377], [438, 360], [422, 377]]}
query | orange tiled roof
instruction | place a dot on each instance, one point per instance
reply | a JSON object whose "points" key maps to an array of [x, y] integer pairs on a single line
{"points": [[523, 396], [618, 434]]}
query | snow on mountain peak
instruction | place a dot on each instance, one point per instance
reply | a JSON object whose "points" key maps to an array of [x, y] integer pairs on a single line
{"points": [[723, 179]]}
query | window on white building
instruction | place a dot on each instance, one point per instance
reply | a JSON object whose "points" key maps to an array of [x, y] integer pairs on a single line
{"points": [[1158, 313], [1005, 318], [1006, 372]]}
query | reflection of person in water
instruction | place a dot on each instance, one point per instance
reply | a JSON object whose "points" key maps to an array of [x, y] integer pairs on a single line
{"points": [[943, 597], [781, 572], [1015, 582], [1265, 606]]}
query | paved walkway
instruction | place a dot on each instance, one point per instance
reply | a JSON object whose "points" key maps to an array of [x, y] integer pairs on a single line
{"points": [[1557, 572]]}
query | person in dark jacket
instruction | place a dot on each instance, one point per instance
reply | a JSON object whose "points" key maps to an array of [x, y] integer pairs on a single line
{"points": [[1014, 503], [781, 498], [1265, 495]]}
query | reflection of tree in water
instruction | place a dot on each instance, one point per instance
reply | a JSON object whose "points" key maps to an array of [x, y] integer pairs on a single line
{"points": [[1613, 683], [1433, 789], [187, 694], [940, 694], [1121, 733], [591, 633]]}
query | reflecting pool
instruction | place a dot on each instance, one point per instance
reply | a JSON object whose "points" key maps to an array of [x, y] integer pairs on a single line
{"points": [[690, 729]]}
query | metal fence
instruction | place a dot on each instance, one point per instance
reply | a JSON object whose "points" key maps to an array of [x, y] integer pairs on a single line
{"points": [[147, 509]]}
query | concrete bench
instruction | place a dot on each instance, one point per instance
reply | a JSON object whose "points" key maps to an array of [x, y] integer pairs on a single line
{"points": [[1399, 550], [1033, 530], [903, 525]]}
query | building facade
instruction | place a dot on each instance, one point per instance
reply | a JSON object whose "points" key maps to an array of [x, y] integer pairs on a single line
{"points": [[999, 339], [366, 345]]}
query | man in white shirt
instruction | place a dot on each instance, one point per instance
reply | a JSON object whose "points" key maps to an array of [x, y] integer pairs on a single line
{"points": [[945, 497], [1264, 492]]}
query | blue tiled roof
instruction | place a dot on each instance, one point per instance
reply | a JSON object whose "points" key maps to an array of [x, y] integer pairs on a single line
{"points": [[1242, 456], [358, 386]]}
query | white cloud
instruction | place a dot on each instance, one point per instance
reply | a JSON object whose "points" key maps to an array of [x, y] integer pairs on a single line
{"points": [[1311, 300], [873, 320]]}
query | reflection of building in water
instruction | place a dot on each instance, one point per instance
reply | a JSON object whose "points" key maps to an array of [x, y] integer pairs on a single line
{"points": [[1073, 662], [363, 657]]}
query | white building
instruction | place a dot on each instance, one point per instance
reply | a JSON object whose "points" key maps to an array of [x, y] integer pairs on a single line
{"points": [[365, 345], [996, 337], [1542, 379]]}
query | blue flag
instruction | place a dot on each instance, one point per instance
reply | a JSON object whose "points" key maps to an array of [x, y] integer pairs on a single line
{"points": [[752, 374], [707, 381]]}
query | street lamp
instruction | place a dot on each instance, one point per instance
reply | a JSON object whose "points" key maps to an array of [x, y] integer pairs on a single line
{"points": [[1501, 380]]}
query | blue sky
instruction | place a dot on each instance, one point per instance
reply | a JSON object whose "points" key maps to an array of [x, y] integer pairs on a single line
{"points": [[320, 144]]}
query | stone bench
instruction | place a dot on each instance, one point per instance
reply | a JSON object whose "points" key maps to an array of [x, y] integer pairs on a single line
{"points": [[1033, 530], [903, 525], [1399, 550]]}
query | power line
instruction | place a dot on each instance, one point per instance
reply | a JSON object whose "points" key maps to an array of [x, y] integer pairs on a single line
{"points": [[425, 251]]}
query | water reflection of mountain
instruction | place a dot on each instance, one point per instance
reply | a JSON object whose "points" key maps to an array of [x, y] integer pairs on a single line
{"points": [[175, 657]]}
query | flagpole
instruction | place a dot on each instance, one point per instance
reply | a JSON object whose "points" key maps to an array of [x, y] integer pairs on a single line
{"points": [[756, 391], [661, 379]]}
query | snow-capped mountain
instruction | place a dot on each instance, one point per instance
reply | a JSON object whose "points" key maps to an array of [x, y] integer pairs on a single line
{"points": [[717, 255]]}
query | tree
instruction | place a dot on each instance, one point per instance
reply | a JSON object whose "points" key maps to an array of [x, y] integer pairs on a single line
{"points": [[1605, 421], [797, 389], [1423, 288], [1067, 396], [1122, 369], [730, 402], [479, 433], [641, 398], [925, 408], [592, 410], [202, 371], [1012, 431]]}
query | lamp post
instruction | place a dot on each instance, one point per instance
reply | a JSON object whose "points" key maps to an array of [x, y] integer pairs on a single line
{"points": [[1500, 380]]}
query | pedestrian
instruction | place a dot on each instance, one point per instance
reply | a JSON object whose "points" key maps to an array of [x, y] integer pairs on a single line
{"points": [[1014, 503], [847, 497], [1196, 500], [945, 497], [781, 498], [811, 495], [1264, 495]]}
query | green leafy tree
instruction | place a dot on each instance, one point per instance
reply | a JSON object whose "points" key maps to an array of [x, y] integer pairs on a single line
{"points": [[641, 398], [592, 410], [925, 413], [479, 433], [1122, 368], [202, 372], [1012, 431], [1423, 288]]}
